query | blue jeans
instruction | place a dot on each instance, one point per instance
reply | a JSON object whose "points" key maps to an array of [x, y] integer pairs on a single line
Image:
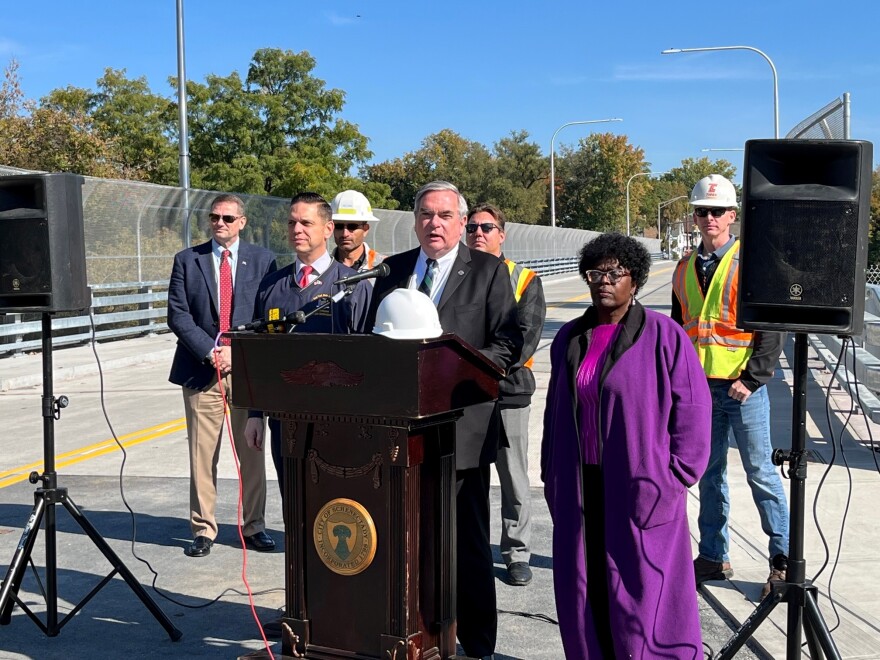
{"points": [[750, 423]]}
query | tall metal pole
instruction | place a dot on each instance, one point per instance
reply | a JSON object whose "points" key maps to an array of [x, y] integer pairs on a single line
{"points": [[627, 192], [846, 116], [673, 51], [553, 165], [660, 206], [184, 132]]}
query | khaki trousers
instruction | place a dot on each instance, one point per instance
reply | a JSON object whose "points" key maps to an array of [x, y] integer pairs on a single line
{"points": [[205, 422]]}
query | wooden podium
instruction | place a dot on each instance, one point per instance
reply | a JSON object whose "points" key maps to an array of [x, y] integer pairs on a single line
{"points": [[368, 436]]}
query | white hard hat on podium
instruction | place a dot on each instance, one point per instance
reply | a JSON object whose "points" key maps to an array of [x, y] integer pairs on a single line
{"points": [[407, 314]]}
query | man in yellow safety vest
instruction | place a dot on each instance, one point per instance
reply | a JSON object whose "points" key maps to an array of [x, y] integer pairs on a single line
{"points": [[485, 232], [738, 364]]}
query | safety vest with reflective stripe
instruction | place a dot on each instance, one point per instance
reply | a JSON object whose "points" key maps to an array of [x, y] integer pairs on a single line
{"points": [[520, 276], [710, 320]]}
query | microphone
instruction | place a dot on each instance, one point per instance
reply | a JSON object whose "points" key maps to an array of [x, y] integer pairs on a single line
{"points": [[275, 322], [382, 270]]}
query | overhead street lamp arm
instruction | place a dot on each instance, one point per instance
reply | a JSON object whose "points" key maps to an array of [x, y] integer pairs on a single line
{"points": [[553, 164], [627, 192], [666, 203], [675, 51]]}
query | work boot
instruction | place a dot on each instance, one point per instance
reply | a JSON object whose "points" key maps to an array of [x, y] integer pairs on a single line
{"points": [[705, 570], [778, 574]]}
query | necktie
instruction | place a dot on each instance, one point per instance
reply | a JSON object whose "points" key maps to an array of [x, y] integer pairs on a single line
{"points": [[428, 281], [304, 273], [225, 295]]}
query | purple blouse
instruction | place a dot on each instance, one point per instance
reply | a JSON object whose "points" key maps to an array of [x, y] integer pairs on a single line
{"points": [[601, 341]]}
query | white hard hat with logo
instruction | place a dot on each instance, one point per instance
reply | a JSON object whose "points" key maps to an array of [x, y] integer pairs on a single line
{"points": [[352, 206], [407, 314], [714, 190]]}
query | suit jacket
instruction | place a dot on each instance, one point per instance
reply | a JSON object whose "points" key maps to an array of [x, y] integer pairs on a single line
{"points": [[192, 306], [477, 304]]}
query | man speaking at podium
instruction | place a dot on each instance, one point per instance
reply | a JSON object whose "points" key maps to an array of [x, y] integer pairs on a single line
{"points": [[475, 301]]}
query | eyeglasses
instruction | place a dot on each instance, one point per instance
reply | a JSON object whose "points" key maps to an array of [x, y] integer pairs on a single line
{"points": [[716, 212], [228, 219], [614, 275], [486, 227], [350, 226]]}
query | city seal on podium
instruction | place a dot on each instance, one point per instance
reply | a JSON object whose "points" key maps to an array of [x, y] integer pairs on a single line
{"points": [[345, 536]]}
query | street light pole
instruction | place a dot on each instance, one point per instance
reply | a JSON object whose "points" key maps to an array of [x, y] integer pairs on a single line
{"points": [[183, 139], [660, 206], [627, 192], [553, 166], [673, 51]]}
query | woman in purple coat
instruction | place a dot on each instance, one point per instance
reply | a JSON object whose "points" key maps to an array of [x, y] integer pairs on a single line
{"points": [[626, 432]]}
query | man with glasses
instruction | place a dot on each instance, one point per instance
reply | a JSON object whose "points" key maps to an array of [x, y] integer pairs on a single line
{"points": [[352, 216], [213, 287], [737, 364], [472, 293], [485, 232]]}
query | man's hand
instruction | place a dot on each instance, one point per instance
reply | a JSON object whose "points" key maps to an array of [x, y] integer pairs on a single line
{"points": [[738, 391], [222, 357], [254, 433]]}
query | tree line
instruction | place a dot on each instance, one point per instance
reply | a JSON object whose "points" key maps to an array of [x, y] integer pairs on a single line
{"points": [[279, 130]]}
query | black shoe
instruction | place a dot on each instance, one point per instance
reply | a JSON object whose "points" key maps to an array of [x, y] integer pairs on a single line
{"points": [[519, 574], [200, 547], [272, 629], [705, 570], [261, 542]]}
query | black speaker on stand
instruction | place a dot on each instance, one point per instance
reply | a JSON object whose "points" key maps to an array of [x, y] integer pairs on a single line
{"points": [[43, 269], [802, 269]]}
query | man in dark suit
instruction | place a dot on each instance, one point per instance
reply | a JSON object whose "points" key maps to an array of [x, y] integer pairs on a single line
{"points": [[221, 275], [474, 300]]}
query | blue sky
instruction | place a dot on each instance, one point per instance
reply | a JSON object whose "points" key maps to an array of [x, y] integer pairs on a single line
{"points": [[486, 68]]}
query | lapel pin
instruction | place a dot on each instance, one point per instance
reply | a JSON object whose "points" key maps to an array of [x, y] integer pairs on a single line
{"points": [[461, 272]]}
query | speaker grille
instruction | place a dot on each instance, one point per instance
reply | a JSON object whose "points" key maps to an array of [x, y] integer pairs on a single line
{"points": [[800, 252]]}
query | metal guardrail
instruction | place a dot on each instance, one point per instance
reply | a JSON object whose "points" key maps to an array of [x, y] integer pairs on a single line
{"points": [[866, 365], [125, 309]]}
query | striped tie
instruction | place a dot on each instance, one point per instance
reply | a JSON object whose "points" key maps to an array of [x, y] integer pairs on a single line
{"points": [[428, 281]]}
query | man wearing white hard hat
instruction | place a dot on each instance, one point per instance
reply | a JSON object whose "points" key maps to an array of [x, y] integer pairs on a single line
{"points": [[352, 217], [738, 364]]}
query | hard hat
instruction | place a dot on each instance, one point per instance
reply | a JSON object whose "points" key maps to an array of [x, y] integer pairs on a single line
{"points": [[714, 190], [407, 314], [352, 206]]}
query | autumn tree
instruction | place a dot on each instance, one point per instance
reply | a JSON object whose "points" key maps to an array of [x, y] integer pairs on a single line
{"points": [[47, 139], [874, 245], [591, 181]]}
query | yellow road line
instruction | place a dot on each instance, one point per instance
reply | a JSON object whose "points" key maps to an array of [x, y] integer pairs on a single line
{"points": [[17, 474]]}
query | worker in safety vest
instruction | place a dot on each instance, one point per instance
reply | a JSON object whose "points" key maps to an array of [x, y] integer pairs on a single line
{"points": [[485, 232], [352, 217], [738, 364]]}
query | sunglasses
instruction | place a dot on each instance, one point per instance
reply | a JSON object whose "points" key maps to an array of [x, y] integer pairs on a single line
{"points": [[716, 212], [350, 226], [228, 219], [486, 227], [614, 275]]}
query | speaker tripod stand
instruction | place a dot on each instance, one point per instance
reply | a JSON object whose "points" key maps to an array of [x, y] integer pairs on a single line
{"points": [[46, 498], [798, 592]]}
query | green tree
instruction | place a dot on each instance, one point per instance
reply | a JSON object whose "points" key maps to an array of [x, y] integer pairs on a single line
{"points": [[139, 123], [591, 182], [520, 184], [278, 132], [445, 155]]}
